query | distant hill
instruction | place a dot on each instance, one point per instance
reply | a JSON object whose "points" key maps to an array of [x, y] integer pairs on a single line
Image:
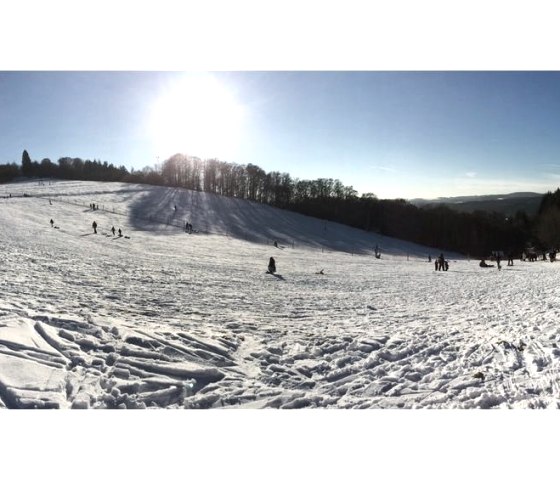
{"points": [[506, 204]]}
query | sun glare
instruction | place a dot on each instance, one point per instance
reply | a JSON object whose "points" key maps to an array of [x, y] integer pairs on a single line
{"points": [[197, 116]]}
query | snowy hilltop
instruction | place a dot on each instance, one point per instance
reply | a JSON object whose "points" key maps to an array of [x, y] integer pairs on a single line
{"points": [[166, 316]]}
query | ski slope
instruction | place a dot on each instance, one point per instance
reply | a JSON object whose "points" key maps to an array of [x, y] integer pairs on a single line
{"points": [[163, 319]]}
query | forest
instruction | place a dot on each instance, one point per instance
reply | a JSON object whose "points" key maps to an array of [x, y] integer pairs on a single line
{"points": [[475, 234]]}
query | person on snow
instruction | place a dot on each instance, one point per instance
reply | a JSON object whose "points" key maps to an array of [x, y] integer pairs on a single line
{"points": [[52, 223], [113, 230], [440, 262], [271, 266], [94, 225], [120, 233]]}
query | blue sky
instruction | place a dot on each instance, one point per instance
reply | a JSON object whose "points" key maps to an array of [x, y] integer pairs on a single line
{"points": [[395, 134]]}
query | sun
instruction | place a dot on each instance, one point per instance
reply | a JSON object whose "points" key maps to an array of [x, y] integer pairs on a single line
{"points": [[196, 115]]}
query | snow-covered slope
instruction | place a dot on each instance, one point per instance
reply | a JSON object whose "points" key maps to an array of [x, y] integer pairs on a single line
{"points": [[149, 207], [160, 318]]}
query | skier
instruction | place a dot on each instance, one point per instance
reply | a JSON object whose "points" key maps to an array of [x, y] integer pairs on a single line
{"points": [[113, 230], [271, 266], [120, 233], [52, 223], [94, 225]]}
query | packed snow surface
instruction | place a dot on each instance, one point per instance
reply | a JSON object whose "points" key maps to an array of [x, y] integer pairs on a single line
{"points": [[161, 318]]}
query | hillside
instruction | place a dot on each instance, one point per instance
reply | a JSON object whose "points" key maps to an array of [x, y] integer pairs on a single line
{"points": [[163, 319], [504, 204], [150, 207]]}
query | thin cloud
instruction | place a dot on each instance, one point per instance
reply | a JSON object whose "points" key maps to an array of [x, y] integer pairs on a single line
{"points": [[471, 174]]}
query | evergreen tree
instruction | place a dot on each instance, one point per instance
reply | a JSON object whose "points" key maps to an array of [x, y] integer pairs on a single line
{"points": [[26, 166]]}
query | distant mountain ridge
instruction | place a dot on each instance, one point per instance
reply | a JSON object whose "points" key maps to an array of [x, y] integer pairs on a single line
{"points": [[507, 204]]}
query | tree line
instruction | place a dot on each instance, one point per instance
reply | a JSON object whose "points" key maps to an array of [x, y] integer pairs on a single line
{"points": [[474, 234]]}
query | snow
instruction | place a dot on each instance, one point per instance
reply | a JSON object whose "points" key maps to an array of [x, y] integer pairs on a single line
{"points": [[168, 320]]}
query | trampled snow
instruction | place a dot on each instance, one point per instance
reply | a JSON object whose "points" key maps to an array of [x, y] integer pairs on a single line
{"points": [[164, 320], [159, 318]]}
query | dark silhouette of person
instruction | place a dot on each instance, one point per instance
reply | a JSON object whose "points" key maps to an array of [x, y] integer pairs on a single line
{"points": [[441, 262], [429, 258], [272, 265], [94, 225], [120, 232], [113, 230], [510, 259], [52, 223]]}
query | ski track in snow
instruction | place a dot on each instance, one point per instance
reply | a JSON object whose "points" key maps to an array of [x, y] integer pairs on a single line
{"points": [[169, 320]]}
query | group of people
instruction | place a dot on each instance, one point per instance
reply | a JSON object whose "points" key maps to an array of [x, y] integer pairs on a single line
{"points": [[94, 226], [188, 227], [497, 256], [93, 206]]}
